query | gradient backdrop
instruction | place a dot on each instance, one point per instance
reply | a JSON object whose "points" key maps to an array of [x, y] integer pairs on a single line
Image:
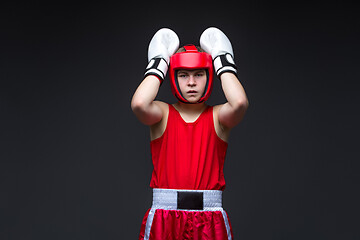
{"points": [[75, 163]]}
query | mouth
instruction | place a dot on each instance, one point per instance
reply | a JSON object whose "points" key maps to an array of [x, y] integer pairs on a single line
{"points": [[191, 91]]}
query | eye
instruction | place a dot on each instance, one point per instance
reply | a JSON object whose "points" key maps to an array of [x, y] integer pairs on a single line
{"points": [[182, 75], [199, 74]]}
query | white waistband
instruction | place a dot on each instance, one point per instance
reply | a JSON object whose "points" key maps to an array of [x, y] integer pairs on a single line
{"points": [[167, 199]]}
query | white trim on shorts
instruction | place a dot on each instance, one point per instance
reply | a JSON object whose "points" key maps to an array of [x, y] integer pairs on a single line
{"points": [[167, 199]]}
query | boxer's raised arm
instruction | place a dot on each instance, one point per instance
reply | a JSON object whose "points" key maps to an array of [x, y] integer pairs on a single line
{"points": [[216, 43], [163, 44]]}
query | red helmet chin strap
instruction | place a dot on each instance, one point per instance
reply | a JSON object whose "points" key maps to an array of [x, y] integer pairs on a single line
{"points": [[191, 59]]}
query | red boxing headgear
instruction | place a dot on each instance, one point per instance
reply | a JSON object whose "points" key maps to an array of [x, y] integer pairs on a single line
{"points": [[191, 59]]}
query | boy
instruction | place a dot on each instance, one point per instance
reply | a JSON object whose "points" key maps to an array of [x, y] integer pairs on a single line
{"points": [[188, 138]]}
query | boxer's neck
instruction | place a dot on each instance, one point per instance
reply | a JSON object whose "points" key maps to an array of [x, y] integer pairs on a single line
{"points": [[190, 108]]}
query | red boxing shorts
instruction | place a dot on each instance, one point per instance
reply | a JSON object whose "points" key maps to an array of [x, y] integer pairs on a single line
{"points": [[186, 214]]}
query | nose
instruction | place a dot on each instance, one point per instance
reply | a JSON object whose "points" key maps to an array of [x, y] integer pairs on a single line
{"points": [[191, 81]]}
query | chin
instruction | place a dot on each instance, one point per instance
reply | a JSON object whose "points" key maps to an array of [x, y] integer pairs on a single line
{"points": [[193, 101]]}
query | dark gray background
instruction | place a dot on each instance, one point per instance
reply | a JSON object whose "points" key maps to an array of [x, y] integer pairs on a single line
{"points": [[75, 162]]}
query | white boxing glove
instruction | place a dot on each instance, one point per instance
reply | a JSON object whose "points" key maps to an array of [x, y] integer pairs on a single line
{"points": [[216, 43], [162, 45]]}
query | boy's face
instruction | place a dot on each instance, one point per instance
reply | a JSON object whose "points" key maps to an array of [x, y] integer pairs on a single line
{"points": [[192, 83]]}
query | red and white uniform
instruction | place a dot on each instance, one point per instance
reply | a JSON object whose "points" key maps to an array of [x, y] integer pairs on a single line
{"points": [[190, 157]]}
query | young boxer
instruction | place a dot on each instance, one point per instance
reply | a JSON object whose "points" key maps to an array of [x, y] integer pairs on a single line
{"points": [[189, 138]]}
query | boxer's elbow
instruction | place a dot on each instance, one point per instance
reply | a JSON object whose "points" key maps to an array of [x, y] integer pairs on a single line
{"points": [[240, 109], [145, 112], [138, 106], [242, 105]]}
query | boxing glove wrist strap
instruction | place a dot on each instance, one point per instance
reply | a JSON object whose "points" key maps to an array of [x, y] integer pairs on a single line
{"points": [[224, 63], [158, 67]]}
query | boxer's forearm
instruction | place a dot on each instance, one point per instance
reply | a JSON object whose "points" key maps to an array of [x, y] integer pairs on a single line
{"points": [[232, 112], [233, 90], [146, 92], [142, 102]]}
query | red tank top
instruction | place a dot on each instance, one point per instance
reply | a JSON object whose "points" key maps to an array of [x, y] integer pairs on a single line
{"points": [[188, 155]]}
